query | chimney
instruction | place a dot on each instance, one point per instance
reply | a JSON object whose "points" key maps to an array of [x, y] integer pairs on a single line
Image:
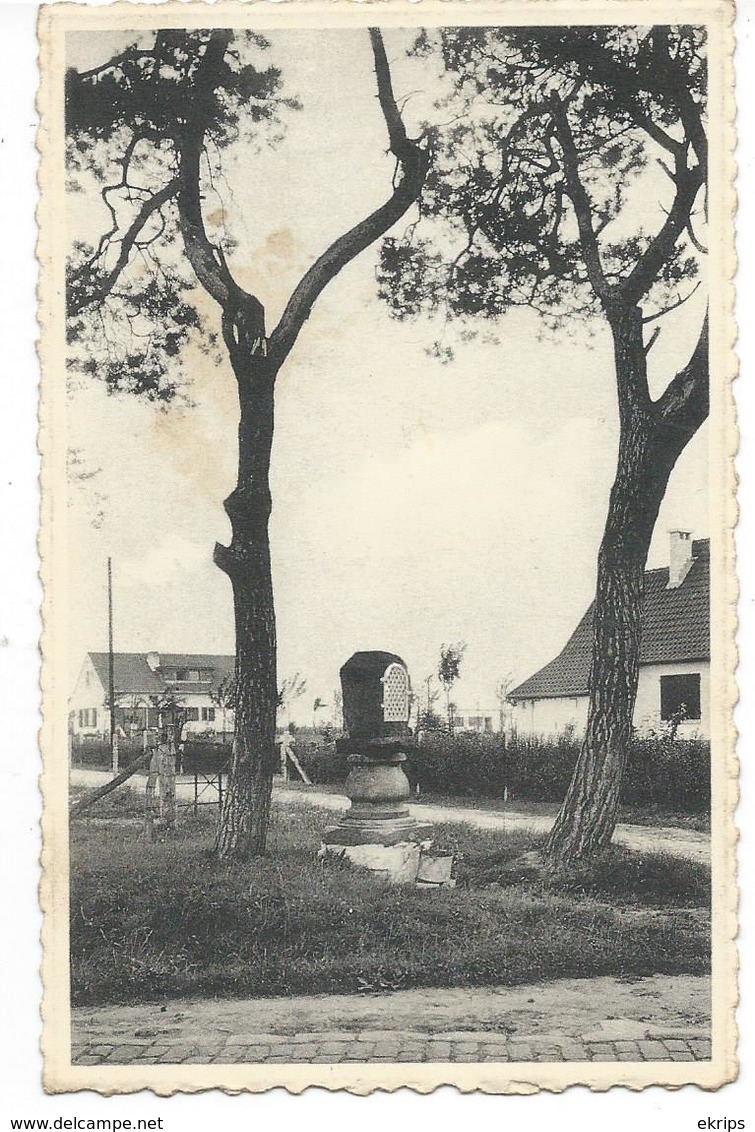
{"points": [[153, 660], [680, 557]]}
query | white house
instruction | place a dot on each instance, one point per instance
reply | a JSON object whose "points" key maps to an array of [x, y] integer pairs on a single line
{"points": [[145, 682], [483, 721], [674, 656]]}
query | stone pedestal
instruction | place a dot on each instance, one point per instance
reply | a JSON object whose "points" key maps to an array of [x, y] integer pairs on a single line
{"points": [[379, 814], [377, 832]]}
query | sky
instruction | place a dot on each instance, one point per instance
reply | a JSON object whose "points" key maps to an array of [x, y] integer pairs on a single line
{"points": [[414, 503]]}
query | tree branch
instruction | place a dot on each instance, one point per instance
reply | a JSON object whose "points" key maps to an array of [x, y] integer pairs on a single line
{"points": [[684, 405], [84, 292], [673, 307], [213, 275], [393, 120], [108, 189], [652, 340], [581, 204], [657, 82], [667, 77], [413, 160], [645, 272], [653, 130], [117, 60], [694, 240]]}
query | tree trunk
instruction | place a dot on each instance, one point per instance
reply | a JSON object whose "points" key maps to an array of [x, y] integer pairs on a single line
{"points": [[244, 819], [649, 447]]}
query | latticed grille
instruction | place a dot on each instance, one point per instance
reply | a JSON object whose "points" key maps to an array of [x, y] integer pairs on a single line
{"points": [[395, 694]]}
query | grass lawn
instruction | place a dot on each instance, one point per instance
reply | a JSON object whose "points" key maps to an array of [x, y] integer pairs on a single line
{"points": [[165, 919]]}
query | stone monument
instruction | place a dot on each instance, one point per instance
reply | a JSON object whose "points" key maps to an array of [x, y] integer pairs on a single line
{"points": [[377, 832]]}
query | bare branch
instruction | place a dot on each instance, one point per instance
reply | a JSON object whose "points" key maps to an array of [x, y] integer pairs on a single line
{"points": [[694, 240], [653, 339], [393, 120], [413, 160], [653, 130], [669, 172]]}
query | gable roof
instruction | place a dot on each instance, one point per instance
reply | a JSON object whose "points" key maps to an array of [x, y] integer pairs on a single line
{"points": [[132, 674], [675, 628]]}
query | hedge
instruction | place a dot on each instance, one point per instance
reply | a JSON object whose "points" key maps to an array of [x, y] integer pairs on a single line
{"points": [[96, 752], [661, 771], [673, 773]]}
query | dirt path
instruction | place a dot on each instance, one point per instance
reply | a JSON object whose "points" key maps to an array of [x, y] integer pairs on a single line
{"points": [[684, 843], [660, 1018]]}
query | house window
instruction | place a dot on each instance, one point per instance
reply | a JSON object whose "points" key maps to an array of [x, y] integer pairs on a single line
{"points": [[488, 723], [680, 696], [192, 714], [88, 717], [189, 675], [206, 674], [208, 714]]}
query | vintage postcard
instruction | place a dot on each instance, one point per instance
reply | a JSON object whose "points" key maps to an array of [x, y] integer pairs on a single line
{"points": [[388, 508]]}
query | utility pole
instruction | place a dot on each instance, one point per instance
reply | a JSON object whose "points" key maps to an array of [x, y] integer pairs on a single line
{"points": [[111, 667]]}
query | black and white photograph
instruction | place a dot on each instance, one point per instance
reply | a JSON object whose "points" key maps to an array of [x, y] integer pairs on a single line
{"points": [[387, 540]]}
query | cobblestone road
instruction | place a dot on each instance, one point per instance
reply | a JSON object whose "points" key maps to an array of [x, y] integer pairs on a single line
{"points": [[369, 1046]]}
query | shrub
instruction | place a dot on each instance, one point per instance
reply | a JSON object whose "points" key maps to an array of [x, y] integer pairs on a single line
{"points": [[205, 757], [320, 759], [466, 764], [540, 769], [488, 765], [96, 752], [670, 773], [661, 771]]}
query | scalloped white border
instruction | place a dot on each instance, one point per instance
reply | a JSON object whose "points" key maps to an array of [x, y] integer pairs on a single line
{"points": [[59, 1074]]}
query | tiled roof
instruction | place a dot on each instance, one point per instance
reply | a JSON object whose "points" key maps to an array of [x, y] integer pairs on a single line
{"points": [[675, 628], [132, 674]]}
